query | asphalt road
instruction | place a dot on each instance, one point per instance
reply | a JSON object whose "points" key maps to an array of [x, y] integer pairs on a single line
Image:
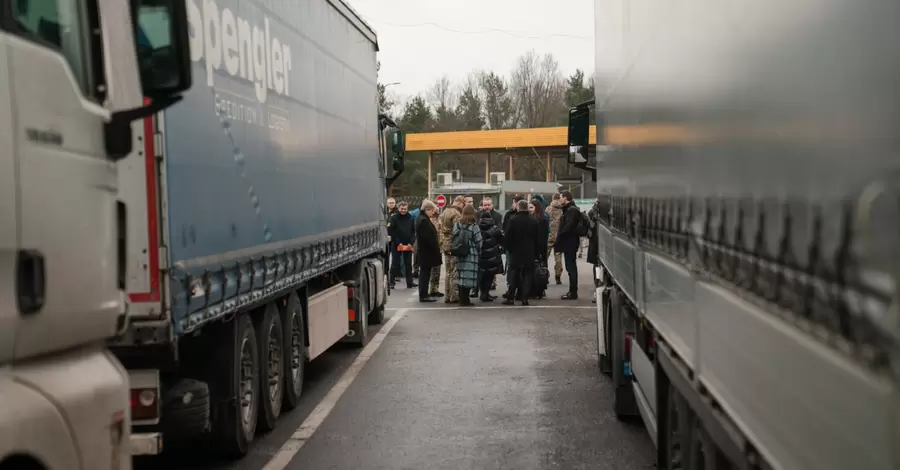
{"points": [[455, 388]]}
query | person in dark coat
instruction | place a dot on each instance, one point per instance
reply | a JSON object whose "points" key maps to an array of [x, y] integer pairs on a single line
{"points": [[512, 210], [543, 229], [567, 241], [428, 250], [593, 254], [490, 264], [521, 241], [403, 236]]}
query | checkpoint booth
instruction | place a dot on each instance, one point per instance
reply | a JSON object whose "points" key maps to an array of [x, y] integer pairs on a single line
{"points": [[526, 189], [501, 194]]}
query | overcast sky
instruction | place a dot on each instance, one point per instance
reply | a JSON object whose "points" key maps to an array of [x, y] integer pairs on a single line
{"points": [[421, 40]]}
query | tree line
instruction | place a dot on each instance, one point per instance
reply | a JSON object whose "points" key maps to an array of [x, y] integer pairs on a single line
{"points": [[535, 93]]}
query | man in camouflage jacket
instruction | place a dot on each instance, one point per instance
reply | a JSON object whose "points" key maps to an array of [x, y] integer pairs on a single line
{"points": [[554, 210], [448, 219]]}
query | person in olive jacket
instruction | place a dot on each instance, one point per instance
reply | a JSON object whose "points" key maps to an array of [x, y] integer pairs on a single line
{"points": [[490, 263], [428, 250]]}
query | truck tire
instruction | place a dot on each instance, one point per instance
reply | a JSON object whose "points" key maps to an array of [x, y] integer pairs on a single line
{"points": [[603, 318], [376, 317], [186, 406], [21, 462], [294, 350], [624, 404], [361, 338], [677, 432], [237, 426], [270, 339]]}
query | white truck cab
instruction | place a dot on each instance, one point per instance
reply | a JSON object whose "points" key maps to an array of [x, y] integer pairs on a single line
{"points": [[73, 75]]}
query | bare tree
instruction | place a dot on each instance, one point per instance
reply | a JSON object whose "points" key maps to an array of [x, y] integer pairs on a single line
{"points": [[444, 101], [539, 90], [499, 109]]}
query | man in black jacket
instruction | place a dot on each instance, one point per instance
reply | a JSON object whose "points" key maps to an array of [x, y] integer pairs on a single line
{"points": [[567, 241], [403, 235], [521, 240], [487, 205], [513, 210]]}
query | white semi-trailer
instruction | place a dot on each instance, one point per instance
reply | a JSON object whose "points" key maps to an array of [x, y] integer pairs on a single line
{"points": [[74, 75], [257, 234], [749, 204]]}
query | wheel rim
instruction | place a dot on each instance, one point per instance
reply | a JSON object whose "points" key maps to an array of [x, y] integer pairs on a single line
{"points": [[248, 410], [296, 349], [274, 364]]}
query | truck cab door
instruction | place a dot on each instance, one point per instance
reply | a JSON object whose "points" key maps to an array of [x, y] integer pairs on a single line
{"points": [[66, 185], [9, 243]]}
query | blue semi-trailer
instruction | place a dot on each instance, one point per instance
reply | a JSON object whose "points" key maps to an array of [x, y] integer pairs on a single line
{"points": [[256, 235]]}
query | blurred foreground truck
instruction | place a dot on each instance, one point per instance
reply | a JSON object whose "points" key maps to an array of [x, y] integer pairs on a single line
{"points": [[749, 228], [257, 235], [74, 77]]}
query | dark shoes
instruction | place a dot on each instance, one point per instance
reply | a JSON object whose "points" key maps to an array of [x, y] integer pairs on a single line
{"points": [[570, 296], [435, 294], [427, 300], [558, 280]]}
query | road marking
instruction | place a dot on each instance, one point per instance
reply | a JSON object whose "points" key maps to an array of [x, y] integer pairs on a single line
{"points": [[308, 427], [500, 307]]}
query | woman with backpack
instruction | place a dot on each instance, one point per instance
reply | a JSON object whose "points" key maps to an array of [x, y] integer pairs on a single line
{"points": [[465, 245]]}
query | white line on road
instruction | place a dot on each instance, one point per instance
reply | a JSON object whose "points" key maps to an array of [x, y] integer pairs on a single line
{"points": [[500, 307], [315, 419]]}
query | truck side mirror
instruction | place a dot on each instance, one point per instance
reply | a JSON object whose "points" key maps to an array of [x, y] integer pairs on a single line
{"points": [[162, 41], [398, 143], [399, 164], [579, 133]]}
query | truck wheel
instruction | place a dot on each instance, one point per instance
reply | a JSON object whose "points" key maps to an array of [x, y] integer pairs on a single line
{"points": [[238, 424], [377, 315], [624, 404], [361, 338], [270, 340], [603, 317], [187, 407], [677, 432], [294, 351]]}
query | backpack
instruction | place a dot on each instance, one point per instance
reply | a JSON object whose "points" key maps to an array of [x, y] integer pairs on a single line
{"points": [[582, 224], [459, 244]]}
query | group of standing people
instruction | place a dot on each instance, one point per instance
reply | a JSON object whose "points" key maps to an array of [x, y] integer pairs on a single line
{"points": [[470, 243]]}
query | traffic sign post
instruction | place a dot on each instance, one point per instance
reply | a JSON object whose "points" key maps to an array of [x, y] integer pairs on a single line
{"points": [[440, 200]]}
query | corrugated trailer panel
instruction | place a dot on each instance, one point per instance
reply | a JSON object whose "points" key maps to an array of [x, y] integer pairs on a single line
{"points": [[270, 162]]}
